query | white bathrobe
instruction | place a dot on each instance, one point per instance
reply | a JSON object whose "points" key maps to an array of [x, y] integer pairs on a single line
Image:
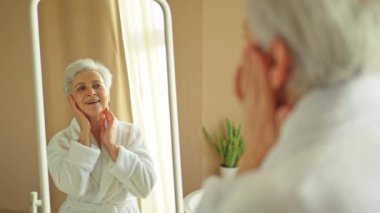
{"points": [[327, 159], [92, 181]]}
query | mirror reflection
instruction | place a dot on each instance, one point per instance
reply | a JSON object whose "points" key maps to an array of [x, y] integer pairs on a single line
{"points": [[98, 160], [101, 163]]}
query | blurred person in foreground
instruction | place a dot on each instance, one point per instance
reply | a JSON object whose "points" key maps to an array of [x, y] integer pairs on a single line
{"points": [[309, 86]]}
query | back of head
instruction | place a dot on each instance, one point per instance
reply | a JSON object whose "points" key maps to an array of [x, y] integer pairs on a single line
{"points": [[329, 40]]}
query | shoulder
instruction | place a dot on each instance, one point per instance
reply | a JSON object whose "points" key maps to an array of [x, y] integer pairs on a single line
{"points": [[126, 125], [127, 132], [60, 139], [127, 128], [308, 182], [259, 191]]}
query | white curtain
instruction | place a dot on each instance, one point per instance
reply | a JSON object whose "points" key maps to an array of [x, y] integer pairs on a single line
{"points": [[144, 43]]}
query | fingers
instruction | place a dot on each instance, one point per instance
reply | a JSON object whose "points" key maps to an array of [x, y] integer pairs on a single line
{"points": [[74, 106], [79, 115], [239, 92], [106, 119], [255, 69], [109, 116], [101, 122], [71, 101]]}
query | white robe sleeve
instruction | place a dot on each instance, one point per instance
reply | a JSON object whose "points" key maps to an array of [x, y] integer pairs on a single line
{"points": [[134, 167], [70, 164]]}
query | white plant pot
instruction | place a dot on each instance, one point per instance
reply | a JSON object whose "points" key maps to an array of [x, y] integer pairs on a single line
{"points": [[228, 173]]}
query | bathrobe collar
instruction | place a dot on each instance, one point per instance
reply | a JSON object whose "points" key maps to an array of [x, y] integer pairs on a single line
{"points": [[75, 131]]}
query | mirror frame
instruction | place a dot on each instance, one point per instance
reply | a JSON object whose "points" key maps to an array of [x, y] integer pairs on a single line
{"points": [[40, 114]]}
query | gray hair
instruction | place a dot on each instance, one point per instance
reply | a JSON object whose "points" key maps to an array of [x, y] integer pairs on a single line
{"points": [[82, 65], [329, 40]]}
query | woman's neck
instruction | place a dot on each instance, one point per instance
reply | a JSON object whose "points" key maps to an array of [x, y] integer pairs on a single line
{"points": [[95, 130]]}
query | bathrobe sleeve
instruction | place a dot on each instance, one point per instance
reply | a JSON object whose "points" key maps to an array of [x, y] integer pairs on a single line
{"points": [[133, 166], [70, 164]]}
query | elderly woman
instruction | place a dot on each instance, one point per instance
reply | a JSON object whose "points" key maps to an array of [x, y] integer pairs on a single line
{"points": [[102, 164], [309, 86]]}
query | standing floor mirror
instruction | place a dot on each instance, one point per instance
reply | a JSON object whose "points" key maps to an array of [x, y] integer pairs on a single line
{"points": [[133, 38]]}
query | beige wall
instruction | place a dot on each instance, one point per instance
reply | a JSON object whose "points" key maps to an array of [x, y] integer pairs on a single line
{"points": [[207, 43], [222, 42], [18, 147]]}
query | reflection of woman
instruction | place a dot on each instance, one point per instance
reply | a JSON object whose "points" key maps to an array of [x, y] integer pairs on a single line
{"points": [[101, 163]]}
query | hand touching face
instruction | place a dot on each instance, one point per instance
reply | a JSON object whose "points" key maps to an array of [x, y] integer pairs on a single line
{"points": [[106, 121], [260, 86], [106, 126], [258, 108]]}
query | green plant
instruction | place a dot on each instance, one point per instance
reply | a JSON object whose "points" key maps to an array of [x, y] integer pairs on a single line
{"points": [[229, 146]]}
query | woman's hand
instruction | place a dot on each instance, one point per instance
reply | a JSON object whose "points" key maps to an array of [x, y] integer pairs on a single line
{"points": [[84, 123], [263, 104], [106, 123]]}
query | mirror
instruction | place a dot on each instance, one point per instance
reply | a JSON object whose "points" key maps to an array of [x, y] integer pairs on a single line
{"points": [[106, 31]]}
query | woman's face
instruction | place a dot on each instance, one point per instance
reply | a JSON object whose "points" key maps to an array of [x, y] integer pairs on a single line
{"points": [[89, 92]]}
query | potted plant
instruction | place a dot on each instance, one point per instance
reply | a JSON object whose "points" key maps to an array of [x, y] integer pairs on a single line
{"points": [[229, 144]]}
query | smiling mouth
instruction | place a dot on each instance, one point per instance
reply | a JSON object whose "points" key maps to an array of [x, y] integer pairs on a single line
{"points": [[92, 102]]}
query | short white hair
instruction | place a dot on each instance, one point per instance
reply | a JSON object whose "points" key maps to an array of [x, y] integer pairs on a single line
{"points": [[329, 40], [83, 65]]}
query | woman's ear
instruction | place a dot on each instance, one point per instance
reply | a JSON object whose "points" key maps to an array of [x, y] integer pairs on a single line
{"points": [[279, 64]]}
